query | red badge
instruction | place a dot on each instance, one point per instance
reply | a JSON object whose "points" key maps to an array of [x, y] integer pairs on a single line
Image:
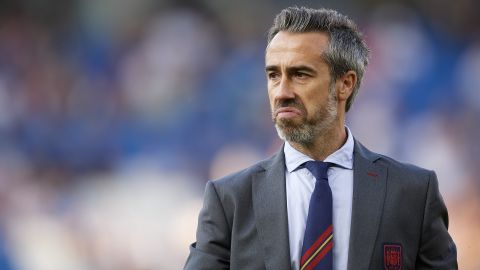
{"points": [[392, 256]]}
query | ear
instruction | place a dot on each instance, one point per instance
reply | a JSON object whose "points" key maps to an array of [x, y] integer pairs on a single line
{"points": [[345, 85]]}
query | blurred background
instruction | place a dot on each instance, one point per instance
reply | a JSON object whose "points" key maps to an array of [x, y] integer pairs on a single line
{"points": [[114, 114]]}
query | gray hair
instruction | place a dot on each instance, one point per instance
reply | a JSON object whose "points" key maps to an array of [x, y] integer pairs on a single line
{"points": [[347, 49]]}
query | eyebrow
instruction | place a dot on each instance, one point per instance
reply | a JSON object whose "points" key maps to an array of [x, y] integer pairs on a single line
{"points": [[292, 69]]}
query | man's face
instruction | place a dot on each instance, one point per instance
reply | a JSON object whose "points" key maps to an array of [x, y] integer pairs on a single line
{"points": [[301, 91]]}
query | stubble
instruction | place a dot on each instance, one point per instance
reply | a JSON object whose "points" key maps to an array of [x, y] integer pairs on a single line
{"points": [[308, 129]]}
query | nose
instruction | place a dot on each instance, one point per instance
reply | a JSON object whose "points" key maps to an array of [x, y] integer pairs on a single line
{"points": [[284, 90]]}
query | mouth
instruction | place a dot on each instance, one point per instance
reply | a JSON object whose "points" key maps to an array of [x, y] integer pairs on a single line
{"points": [[287, 112]]}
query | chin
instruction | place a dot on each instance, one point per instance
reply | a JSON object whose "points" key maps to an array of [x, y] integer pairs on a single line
{"points": [[289, 123], [301, 134]]}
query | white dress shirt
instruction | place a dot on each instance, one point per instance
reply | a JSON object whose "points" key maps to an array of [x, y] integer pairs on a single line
{"points": [[300, 184]]}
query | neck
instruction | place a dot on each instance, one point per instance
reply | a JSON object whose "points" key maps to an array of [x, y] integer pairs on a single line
{"points": [[325, 144]]}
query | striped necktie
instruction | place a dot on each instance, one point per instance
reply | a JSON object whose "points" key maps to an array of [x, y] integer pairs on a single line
{"points": [[318, 240]]}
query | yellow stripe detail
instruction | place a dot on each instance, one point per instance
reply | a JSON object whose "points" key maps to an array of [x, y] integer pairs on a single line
{"points": [[316, 252]]}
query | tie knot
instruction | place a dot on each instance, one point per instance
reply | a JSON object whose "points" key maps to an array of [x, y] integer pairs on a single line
{"points": [[318, 169]]}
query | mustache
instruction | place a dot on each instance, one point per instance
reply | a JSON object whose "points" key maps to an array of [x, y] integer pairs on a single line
{"points": [[294, 103]]}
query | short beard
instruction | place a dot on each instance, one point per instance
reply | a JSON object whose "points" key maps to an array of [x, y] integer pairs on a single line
{"points": [[306, 132]]}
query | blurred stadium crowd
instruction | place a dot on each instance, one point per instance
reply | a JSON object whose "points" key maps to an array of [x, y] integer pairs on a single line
{"points": [[114, 113]]}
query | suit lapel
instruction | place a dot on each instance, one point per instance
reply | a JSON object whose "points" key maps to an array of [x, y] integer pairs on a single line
{"points": [[270, 210], [369, 186]]}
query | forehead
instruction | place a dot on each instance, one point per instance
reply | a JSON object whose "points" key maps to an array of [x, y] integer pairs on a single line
{"points": [[297, 45]]}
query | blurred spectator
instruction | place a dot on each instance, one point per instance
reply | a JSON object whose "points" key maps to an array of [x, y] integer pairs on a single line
{"points": [[113, 114]]}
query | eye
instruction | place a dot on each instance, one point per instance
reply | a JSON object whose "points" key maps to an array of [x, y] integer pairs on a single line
{"points": [[272, 75], [300, 75]]}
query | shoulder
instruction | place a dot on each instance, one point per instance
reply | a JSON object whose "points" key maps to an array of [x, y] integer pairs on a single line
{"points": [[403, 171], [237, 178], [408, 176], [403, 167], [241, 180]]}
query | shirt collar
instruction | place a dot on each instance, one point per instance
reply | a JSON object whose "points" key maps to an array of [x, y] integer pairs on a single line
{"points": [[343, 157]]}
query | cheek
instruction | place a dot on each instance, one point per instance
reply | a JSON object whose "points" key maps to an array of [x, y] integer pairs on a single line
{"points": [[271, 96], [313, 101], [311, 107]]}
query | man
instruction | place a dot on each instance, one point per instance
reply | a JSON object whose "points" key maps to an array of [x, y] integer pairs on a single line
{"points": [[324, 201]]}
